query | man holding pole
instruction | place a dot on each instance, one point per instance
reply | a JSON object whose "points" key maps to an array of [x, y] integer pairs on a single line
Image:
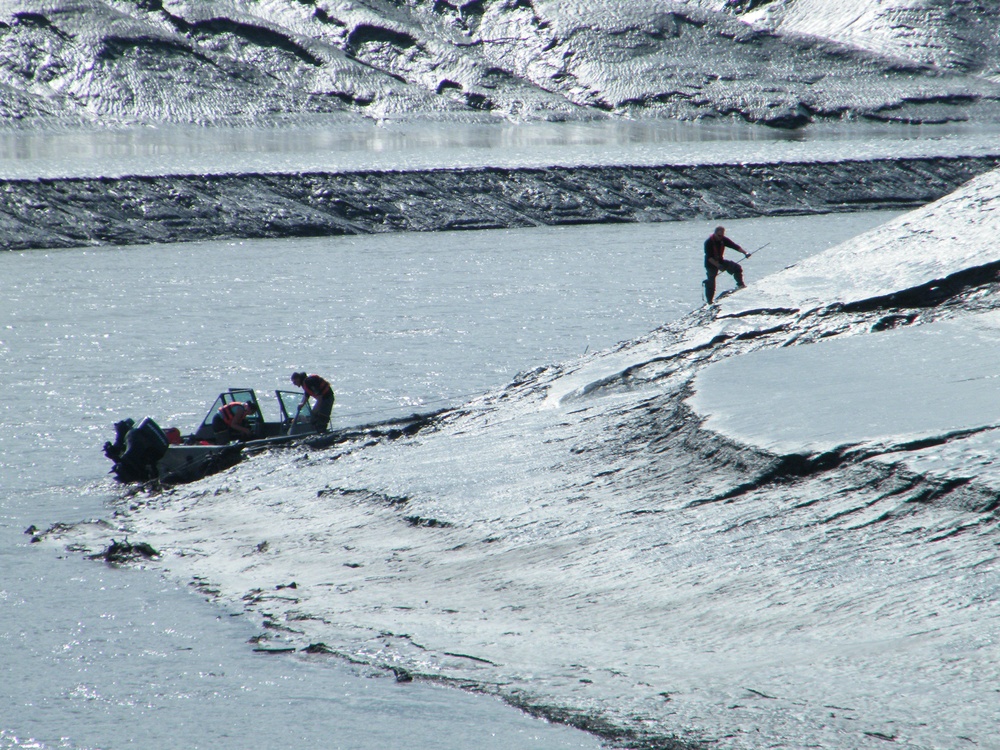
{"points": [[715, 246]]}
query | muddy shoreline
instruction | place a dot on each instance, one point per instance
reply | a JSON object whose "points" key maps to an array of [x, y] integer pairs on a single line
{"points": [[73, 212]]}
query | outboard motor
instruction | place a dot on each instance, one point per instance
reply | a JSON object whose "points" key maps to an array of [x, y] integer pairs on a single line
{"points": [[114, 450], [145, 445]]}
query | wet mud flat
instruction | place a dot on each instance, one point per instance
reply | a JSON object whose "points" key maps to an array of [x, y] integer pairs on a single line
{"points": [[73, 212], [649, 542]]}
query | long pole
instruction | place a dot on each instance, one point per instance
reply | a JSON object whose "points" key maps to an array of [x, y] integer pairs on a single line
{"points": [[754, 252], [295, 419]]}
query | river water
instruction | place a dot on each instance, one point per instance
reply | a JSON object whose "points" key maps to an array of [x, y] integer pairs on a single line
{"points": [[316, 146], [98, 657]]}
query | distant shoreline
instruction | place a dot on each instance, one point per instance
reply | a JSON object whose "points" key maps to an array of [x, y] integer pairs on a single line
{"points": [[75, 212]]}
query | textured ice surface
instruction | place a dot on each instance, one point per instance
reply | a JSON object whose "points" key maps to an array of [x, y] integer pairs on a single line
{"points": [[914, 250], [107, 61], [584, 543], [940, 378], [945, 34]]}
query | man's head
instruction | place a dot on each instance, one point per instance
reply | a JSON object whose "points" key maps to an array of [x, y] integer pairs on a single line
{"points": [[720, 231], [298, 378]]}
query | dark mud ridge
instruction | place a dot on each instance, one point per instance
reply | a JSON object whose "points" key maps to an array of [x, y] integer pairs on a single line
{"points": [[50, 213]]}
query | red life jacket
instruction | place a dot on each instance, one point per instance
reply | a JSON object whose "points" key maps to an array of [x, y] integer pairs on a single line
{"points": [[233, 412], [316, 387]]}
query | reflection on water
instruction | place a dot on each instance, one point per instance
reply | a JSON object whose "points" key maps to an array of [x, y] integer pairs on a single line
{"points": [[312, 146]]}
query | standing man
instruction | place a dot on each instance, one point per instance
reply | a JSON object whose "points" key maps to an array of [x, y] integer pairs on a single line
{"points": [[715, 246], [317, 388], [230, 422]]}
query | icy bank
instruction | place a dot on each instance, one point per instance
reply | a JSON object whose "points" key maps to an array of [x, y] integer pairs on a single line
{"points": [[905, 261], [924, 377], [940, 377], [140, 210]]}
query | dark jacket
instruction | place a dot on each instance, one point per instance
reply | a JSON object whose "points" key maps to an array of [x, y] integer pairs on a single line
{"points": [[715, 246]]}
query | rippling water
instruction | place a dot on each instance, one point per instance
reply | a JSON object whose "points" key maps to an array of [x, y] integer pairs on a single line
{"points": [[99, 657]]}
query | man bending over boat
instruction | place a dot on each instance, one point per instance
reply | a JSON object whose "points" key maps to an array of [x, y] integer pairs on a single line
{"points": [[316, 388], [230, 423]]}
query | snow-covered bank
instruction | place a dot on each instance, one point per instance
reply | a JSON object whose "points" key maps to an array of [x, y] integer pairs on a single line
{"points": [[584, 542], [784, 64], [140, 210], [947, 35]]}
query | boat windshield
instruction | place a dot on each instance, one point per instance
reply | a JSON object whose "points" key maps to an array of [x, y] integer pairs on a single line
{"points": [[289, 402], [294, 413], [246, 395]]}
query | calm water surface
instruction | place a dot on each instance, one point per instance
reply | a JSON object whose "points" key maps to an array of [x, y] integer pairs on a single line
{"points": [[320, 146], [94, 657]]}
